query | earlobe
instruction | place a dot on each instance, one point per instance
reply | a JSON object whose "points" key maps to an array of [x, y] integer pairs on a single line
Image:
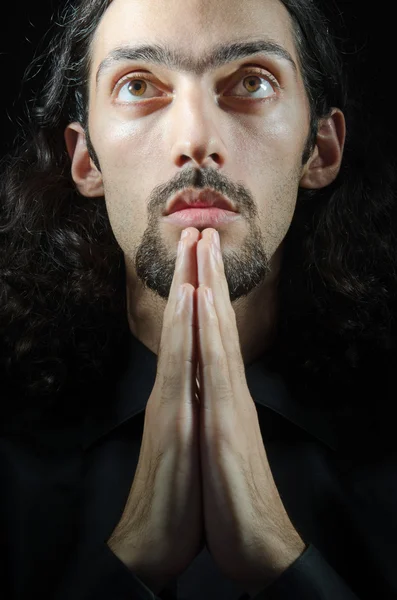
{"points": [[324, 165], [86, 176]]}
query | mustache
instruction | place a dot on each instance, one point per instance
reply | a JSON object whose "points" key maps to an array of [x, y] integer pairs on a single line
{"points": [[199, 179]]}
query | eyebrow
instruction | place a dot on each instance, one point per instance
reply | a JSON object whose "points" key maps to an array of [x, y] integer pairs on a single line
{"points": [[173, 60]]}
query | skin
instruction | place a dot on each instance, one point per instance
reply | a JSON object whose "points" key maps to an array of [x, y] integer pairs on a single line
{"points": [[246, 139], [185, 124]]}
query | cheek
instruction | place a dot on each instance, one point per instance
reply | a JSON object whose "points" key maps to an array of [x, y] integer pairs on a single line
{"points": [[282, 139], [129, 155], [126, 156], [125, 145], [272, 159], [269, 149], [273, 139]]}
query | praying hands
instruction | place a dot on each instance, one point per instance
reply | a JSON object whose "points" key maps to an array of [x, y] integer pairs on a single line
{"points": [[203, 474]]}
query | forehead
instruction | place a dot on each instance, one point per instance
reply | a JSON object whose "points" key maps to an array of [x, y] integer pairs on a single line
{"points": [[192, 27]]}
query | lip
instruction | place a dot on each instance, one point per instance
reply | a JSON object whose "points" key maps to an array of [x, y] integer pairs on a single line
{"points": [[193, 199], [201, 218]]}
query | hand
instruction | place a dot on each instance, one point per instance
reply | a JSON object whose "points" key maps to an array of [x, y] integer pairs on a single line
{"points": [[248, 531], [161, 529]]}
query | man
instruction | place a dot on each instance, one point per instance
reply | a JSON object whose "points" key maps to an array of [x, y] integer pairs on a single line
{"points": [[192, 471]]}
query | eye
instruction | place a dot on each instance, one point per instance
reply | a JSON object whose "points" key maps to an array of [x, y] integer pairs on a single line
{"points": [[256, 84], [133, 88]]}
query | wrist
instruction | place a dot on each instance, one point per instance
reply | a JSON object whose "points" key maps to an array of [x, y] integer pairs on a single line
{"points": [[156, 583], [281, 561]]}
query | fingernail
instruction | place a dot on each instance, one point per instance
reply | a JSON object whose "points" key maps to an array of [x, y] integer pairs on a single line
{"points": [[215, 251], [181, 292], [216, 239], [185, 233]]}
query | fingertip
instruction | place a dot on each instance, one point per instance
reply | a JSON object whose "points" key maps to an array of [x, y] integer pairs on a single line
{"points": [[194, 234]]}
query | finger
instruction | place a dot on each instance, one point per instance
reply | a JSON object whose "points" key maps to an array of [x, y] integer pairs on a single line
{"points": [[214, 369], [211, 270], [177, 356], [185, 267]]}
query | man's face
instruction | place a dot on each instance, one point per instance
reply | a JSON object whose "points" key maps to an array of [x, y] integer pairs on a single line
{"points": [[239, 128]]}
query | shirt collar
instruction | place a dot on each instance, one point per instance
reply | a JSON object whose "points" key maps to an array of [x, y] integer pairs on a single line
{"points": [[128, 394]]}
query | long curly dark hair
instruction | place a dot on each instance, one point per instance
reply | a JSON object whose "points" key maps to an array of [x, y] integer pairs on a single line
{"points": [[62, 275]]}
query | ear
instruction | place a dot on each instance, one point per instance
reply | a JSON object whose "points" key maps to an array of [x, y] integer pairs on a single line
{"points": [[323, 166], [84, 173]]}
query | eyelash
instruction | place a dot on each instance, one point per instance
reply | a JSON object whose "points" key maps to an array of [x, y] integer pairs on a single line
{"points": [[143, 76]]}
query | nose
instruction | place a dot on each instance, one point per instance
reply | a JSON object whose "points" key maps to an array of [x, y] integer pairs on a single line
{"points": [[195, 130]]}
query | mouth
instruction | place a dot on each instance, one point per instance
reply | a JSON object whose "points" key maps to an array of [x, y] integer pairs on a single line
{"points": [[203, 200], [202, 218]]}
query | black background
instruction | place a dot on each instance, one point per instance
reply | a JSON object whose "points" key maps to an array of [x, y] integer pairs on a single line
{"points": [[367, 29]]}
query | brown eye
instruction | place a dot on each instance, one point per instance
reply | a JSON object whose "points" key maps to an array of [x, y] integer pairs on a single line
{"points": [[137, 87], [252, 84], [255, 84]]}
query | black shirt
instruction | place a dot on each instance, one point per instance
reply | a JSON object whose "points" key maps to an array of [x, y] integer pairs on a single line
{"points": [[65, 486]]}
